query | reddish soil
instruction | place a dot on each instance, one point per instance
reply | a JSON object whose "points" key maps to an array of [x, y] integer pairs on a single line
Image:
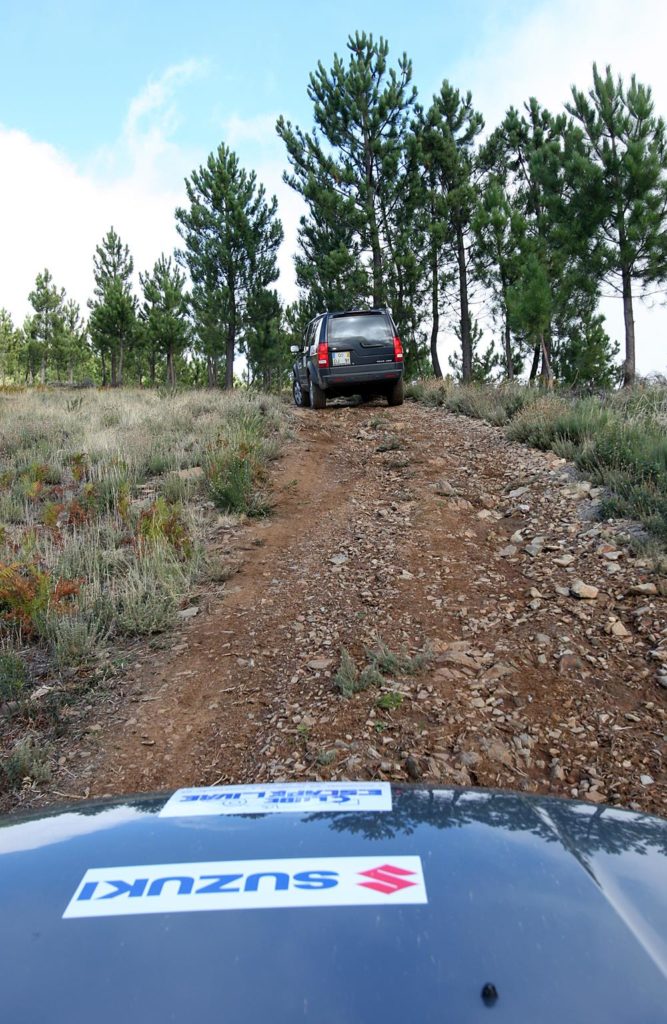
{"points": [[395, 525]]}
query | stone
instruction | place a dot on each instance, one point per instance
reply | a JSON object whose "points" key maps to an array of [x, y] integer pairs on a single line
{"points": [[518, 491], [570, 663], [339, 559], [594, 797], [507, 552], [584, 591], [564, 560], [497, 751], [412, 768], [468, 758], [320, 664], [647, 589], [542, 639], [616, 628], [189, 613], [517, 537], [444, 488], [646, 780]]}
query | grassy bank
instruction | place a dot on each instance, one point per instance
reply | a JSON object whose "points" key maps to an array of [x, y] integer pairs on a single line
{"points": [[102, 497], [619, 440]]}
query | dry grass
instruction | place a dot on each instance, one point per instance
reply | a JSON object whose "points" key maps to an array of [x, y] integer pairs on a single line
{"points": [[98, 536]]}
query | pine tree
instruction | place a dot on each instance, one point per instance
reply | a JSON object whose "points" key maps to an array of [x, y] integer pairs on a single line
{"points": [[164, 314], [498, 229], [265, 342], [113, 318], [46, 322], [626, 142], [447, 135], [347, 168], [483, 363], [540, 160], [586, 359], [231, 237], [11, 344]]}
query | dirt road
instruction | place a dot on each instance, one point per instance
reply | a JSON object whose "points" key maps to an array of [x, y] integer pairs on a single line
{"points": [[421, 530]]}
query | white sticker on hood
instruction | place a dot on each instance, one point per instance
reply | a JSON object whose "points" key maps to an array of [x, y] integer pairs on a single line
{"points": [[248, 884], [276, 798]]}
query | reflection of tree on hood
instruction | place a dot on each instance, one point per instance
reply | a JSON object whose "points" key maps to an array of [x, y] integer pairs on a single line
{"points": [[582, 830]]}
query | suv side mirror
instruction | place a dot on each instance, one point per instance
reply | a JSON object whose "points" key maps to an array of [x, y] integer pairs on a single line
{"points": [[294, 349]]}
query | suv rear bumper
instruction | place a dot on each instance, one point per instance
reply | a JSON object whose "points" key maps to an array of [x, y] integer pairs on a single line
{"points": [[334, 377]]}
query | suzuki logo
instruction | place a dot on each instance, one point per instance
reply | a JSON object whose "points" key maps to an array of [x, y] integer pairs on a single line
{"points": [[387, 879]]}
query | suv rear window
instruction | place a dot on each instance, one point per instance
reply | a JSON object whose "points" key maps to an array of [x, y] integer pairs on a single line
{"points": [[370, 326]]}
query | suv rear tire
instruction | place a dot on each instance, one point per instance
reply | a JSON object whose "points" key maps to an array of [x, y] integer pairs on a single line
{"points": [[395, 394], [318, 399], [301, 397]]}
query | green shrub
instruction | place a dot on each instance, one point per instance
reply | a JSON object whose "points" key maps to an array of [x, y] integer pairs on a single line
{"points": [[389, 701], [13, 675]]}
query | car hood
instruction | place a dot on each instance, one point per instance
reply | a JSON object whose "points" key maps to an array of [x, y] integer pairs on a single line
{"points": [[446, 905]]}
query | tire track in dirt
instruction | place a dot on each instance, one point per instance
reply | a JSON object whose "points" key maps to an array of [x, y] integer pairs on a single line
{"points": [[411, 527]]}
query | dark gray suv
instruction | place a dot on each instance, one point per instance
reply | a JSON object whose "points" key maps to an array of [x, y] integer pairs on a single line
{"points": [[355, 352]]}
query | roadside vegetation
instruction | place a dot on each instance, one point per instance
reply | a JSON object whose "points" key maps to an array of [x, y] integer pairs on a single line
{"points": [[618, 439], [103, 509]]}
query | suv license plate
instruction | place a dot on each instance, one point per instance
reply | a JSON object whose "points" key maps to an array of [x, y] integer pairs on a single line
{"points": [[340, 358]]}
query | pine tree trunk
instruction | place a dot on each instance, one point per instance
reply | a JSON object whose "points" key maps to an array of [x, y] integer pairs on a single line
{"points": [[212, 371], [466, 341], [70, 373], [114, 380], [509, 362], [371, 213], [546, 372], [629, 368], [121, 359], [229, 356], [231, 335], [42, 371], [536, 362], [104, 370], [171, 372], [152, 366], [435, 314]]}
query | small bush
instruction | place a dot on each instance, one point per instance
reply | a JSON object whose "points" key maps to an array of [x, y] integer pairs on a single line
{"points": [[389, 701], [28, 762], [232, 484], [13, 676], [147, 598], [75, 639], [386, 662], [347, 676]]}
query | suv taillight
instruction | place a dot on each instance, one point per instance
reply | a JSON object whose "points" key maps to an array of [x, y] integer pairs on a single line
{"points": [[398, 350], [323, 354]]}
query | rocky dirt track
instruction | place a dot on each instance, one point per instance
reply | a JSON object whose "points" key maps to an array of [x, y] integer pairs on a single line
{"points": [[426, 531]]}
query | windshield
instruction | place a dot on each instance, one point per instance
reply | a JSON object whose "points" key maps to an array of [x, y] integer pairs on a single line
{"points": [[371, 326]]}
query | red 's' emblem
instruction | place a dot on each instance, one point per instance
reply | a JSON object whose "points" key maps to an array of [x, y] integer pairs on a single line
{"points": [[387, 879]]}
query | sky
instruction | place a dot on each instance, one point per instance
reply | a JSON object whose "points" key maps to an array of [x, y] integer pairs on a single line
{"points": [[106, 107]]}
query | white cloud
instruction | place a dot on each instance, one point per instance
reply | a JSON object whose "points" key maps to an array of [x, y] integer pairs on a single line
{"points": [[54, 213]]}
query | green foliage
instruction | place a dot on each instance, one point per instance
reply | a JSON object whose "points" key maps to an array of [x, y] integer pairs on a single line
{"points": [[164, 317], [352, 172], [231, 236], [13, 675], [389, 701], [627, 145], [27, 762], [113, 317], [387, 662]]}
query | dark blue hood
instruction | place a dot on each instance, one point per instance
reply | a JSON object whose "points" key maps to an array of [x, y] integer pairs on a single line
{"points": [[559, 908]]}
